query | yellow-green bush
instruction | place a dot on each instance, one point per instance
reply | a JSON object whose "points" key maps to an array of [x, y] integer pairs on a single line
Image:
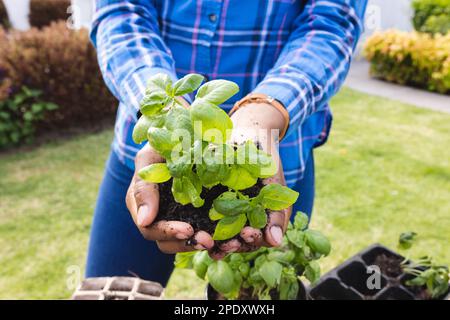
{"points": [[431, 16], [416, 59]]}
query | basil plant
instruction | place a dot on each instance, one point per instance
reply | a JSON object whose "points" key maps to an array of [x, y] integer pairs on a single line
{"points": [[268, 273], [195, 142]]}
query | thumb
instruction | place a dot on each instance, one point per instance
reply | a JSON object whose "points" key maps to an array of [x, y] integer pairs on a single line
{"points": [[146, 196], [274, 229]]}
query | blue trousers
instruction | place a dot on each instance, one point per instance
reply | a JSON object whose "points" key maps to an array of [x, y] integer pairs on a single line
{"points": [[117, 248]]}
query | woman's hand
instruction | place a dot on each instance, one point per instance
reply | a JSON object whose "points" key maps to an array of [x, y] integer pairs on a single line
{"points": [[143, 203], [261, 123]]}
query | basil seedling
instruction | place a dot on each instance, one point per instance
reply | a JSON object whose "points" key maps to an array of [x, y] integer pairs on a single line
{"points": [[195, 144], [268, 273]]}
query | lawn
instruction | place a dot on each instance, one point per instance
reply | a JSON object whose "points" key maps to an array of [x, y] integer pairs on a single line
{"points": [[385, 170]]}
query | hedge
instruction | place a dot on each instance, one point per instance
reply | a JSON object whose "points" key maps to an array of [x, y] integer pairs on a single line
{"points": [[4, 20], [62, 64], [432, 16], [44, 12], [416, 59]]}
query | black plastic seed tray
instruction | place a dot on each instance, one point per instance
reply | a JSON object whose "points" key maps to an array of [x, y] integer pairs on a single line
{"points": [[349, 281]]}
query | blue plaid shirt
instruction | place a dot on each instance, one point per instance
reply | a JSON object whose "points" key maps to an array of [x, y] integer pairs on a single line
{"points": [[298, 52]]}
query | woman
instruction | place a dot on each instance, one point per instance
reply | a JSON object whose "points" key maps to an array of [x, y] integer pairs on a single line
{"points": [[288, 57]]}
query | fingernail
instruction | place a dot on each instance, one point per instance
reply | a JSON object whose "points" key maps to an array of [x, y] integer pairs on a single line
{"points": [[142, 215], [181, 236], [277, 234], [199, 247], [250, 240]]}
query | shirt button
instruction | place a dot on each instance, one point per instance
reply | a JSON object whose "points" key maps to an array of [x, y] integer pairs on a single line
{"points": [[212, 17]]}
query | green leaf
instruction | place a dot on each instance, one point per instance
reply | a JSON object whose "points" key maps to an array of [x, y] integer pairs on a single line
{"points": [[153, 103], [229, 226], [210, 123], [179, 193], [187, 84], [180, 166], [140, 129], [406, 240], [183, 260], [318, 242], [221, 277], [301, 221], [217, 91], [239, 178], [270, 271], [417, 281], [228, 204], [179, 118], [277, 197], [187, 190], [296, 237], [214, 215], [289, 287], [257, 217], [211, 175], [159, 82], [257, 162], [193, 193], [200, 263], [155, 173], [281, 256], [51, 106], [312, 272], [244, 269], [161, 140]]}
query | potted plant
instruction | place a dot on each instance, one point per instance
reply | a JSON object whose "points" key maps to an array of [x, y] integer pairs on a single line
{"points": [[268, 273], [206, 180]]}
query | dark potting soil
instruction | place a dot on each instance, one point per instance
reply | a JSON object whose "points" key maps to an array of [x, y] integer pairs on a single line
{"points": [[390, 266], [420, 293], [198, 218]]}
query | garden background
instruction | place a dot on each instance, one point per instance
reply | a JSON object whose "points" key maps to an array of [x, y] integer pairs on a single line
{"points": [[385, 169]]}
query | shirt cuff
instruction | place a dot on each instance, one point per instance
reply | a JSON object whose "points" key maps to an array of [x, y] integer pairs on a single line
{"points": [[292, 94]]}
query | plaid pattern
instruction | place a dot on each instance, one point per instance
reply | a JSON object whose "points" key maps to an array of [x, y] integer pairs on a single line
{"points": [[298, 52]]}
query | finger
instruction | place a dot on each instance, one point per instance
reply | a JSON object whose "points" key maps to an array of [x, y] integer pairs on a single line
{"points": [[217, 254], [171, 247], [230, 246], [199, 242], [146, 194], [202, 240], [168, 230], [273, 232], [252, 236]]}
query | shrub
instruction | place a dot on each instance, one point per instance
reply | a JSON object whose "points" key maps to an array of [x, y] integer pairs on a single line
{"points": [[4, 20], [19, 114], [44, 12], [62, 64], [411, 58], [432, 16]]}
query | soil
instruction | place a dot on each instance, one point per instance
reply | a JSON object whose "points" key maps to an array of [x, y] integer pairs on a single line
{"points": [[390, 266], [420, 293], [198, 218]]}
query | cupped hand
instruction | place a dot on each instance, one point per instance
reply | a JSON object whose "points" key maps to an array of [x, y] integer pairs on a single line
{"points": [[260, 123], [142, 200]]}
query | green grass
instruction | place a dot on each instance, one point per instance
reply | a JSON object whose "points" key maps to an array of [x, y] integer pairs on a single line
{"points": [[385, 170]]}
